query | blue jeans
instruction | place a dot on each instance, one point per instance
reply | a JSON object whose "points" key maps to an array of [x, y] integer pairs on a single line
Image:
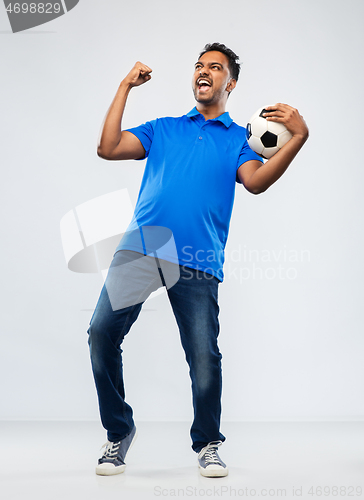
{"points": [[194, 303]]}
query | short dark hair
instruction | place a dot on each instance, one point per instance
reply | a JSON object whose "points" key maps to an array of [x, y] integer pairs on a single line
{"points": [[234, 65]]}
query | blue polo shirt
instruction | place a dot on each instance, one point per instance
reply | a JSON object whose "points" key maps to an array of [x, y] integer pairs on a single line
{"points": [[189, 186]]}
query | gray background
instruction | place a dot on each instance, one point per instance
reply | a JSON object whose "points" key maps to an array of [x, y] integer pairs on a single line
{"points": [[292, 343]]}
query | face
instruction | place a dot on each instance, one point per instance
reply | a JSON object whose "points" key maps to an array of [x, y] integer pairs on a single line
{"points": [[212, 80]]}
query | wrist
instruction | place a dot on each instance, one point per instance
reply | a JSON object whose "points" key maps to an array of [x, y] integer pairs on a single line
{"points": [[125, 85], [300, 138]]}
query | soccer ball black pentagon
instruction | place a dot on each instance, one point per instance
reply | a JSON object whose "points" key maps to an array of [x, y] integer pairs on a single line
{"points": [[266, 137]]}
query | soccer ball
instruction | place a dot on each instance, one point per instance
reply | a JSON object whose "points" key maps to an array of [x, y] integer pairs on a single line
{"points": [[266, 137]]}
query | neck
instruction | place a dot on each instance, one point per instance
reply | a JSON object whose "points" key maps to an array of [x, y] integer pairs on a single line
{"points": [[210, 111]]}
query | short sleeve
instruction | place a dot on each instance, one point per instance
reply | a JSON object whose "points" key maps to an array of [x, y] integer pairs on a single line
{"points": [[145, 134], [246, 154]]}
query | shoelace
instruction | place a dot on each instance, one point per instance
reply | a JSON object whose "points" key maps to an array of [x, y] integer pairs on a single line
{"points": [[210, 454], [111, 449]]}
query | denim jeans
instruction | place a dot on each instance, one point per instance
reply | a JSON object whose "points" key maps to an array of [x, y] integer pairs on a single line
{"points": [[194, 303]]}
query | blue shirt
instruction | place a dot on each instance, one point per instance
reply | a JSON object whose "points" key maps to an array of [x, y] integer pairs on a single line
{"points": [[189, 186]]}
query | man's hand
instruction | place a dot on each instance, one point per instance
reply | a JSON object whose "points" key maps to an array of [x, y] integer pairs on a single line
{"points": [[138, 75], [290, 117]]}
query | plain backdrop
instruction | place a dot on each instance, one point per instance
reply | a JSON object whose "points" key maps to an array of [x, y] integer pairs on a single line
{"points": [[291, 303]]}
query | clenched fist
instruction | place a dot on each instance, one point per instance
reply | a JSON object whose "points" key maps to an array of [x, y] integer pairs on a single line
{"points": [[138, 75]]}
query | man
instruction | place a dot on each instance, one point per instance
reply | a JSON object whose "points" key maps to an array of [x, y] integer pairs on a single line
{"points": [[188, 189]]}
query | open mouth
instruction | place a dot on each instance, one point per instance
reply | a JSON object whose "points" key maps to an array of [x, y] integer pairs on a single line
{"points": [[203, 84]]}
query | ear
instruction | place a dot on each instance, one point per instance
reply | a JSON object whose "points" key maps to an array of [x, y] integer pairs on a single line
{"points": [[231, 85]]}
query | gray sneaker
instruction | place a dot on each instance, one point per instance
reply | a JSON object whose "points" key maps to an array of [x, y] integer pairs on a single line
{"points": [[209, 462], [112, 461]]}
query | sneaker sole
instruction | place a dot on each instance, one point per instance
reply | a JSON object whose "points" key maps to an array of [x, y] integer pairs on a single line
{"points": [[213, 473], [108, 469]]}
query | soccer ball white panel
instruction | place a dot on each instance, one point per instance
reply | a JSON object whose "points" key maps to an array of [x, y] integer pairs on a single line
{"points": [[269, 152], [283, 138], [259, 126], [276, 128], [255, 144]]}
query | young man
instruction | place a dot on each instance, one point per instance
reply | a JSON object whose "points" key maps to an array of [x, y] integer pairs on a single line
{"points": [[187, 190]]}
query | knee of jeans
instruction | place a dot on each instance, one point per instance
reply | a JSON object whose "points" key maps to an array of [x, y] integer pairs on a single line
{"points": [[206, 372], [97, 346]]}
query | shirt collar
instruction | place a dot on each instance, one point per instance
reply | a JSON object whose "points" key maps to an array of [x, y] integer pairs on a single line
{"points": [[224, 118]]}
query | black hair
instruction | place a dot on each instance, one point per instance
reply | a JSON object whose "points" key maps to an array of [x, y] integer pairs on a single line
{"points": [[234, 65]]}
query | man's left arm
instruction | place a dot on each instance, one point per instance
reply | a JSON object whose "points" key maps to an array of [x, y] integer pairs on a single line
{"points": [[257, 176]]}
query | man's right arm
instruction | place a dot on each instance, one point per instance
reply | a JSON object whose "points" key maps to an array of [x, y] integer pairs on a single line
{"points": [[115, 144]]}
